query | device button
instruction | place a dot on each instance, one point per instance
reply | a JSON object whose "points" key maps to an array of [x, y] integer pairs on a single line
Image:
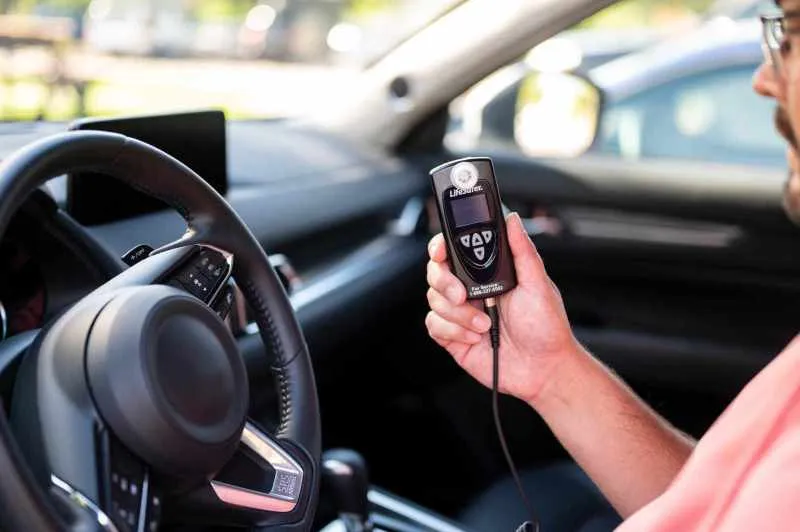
{"points": [[480, 252], [476, 239], [487, 236], [465, 241]]}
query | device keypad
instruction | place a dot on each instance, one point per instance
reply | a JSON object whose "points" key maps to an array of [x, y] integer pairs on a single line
{"points": [[478, 246]]}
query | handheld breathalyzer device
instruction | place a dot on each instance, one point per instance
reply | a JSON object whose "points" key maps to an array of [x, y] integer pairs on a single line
{"points": [[471, 215], [474, 227]]}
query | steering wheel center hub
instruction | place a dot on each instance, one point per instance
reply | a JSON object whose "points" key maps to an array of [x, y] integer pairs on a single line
{"points": [[167, 378]]}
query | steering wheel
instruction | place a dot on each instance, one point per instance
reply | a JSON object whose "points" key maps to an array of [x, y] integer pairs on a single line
{"points": [[130, 409]]}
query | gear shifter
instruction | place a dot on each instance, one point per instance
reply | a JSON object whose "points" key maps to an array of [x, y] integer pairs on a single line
{"points": [[344, 473]]}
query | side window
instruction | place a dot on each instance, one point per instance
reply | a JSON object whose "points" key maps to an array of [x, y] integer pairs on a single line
{"points": [[712, 116], [600, 88]]}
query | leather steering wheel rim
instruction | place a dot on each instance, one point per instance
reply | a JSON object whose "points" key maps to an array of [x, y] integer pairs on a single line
{"points": [[210, 221]]}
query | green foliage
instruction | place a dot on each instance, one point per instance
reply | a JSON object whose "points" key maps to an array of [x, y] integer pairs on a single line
{"points": [[221, 9], [364, 8], [633, 13], [201, 9], [26, 6]]}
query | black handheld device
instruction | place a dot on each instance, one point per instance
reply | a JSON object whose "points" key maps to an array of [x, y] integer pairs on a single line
{"points": [[473, 225]]}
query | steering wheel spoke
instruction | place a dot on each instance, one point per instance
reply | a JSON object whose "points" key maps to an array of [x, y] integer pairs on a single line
{"points": [[263, 475], [263, 484]]}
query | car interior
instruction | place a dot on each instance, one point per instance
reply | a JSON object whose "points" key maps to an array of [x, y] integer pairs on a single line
{"points": [[213, 323]]}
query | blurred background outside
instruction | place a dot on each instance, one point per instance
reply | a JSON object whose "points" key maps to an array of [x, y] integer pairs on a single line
{"points": [[61, 59]]}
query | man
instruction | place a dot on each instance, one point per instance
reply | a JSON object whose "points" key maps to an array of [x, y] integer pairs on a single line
{"points": [[744, 474]]}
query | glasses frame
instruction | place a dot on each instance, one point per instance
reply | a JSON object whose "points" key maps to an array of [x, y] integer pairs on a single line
{"points": [[773, 34]]}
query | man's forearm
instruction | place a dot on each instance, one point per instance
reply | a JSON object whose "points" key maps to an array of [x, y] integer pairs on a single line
{"points": [[627, 449]]}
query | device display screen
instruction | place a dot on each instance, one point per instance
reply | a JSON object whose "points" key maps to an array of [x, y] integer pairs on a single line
{"points": [[195, 138], [470, 210]]}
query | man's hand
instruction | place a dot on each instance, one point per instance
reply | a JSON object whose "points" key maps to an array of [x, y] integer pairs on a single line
{"points": [[535, 334], [582, 402]]}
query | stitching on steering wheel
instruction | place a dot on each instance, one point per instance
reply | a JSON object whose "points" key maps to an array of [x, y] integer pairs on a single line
{"points": [[264, 318], [284, 398], [263, 312]]}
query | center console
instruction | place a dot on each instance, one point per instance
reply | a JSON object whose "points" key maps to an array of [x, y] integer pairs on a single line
{"points": [[364, 508], [390, 513]]}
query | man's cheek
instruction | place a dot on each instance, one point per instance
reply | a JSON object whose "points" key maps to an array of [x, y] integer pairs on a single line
{"points": [[791, 197], [791, 96], [792, 159]]}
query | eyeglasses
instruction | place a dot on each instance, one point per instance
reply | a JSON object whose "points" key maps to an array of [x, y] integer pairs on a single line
{"points": [[772, 41]]}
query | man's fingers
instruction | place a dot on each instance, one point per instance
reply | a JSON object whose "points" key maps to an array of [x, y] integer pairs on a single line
{"points": [[437, 249], [465, 315], [442, 330], [456, 349], [441, 279], [527, 262]]}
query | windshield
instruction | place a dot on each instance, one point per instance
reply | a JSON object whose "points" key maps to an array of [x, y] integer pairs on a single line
{"points": [[63, 59]]}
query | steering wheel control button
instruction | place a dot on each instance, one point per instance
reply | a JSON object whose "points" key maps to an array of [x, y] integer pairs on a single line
{"points": [[137, 254], [222, 306], [127, 476], [202, 276], [153, 514], [196, 283], [174, 355], [212, 264]]}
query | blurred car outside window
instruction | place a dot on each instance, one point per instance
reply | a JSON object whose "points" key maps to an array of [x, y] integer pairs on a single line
{"points": [[666, 99], [712, 116]]}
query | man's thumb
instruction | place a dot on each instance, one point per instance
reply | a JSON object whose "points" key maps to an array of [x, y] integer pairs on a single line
{"points": [[526, 259]]}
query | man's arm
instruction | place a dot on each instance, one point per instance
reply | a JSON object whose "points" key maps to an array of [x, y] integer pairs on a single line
{"points": [[628, 450]]}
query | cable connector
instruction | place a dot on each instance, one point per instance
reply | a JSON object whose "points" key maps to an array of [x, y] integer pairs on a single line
{"points": [[494, 333]]}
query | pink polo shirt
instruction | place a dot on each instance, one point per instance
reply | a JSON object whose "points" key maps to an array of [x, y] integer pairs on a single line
{"points": [[744, 474]]}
